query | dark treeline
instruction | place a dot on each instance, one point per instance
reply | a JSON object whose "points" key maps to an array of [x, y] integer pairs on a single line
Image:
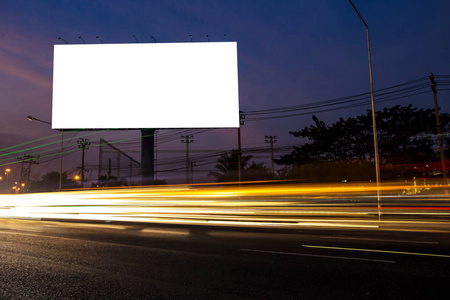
{"points": [[344, 151], [407, 144]]}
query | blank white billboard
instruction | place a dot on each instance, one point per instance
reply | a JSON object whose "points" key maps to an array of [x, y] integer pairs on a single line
{"points": [[131, 86]]}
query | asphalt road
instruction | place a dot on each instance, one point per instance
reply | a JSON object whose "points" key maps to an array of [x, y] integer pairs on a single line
{"points": [[68, 260]]}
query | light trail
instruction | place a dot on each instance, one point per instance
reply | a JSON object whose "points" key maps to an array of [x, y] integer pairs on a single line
{"points": [[278, 205]]}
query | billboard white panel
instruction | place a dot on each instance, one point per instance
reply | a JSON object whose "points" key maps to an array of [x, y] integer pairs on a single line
{"points": [[176, 85]]}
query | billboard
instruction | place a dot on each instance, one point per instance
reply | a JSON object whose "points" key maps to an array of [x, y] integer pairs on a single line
{"points": [[133, 86]]}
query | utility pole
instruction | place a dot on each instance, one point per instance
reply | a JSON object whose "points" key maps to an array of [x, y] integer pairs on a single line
{"points": [[241, 122], [27, 161], [271, 139], [439, 132], [187, 139], [83, 144], [192, 170]]}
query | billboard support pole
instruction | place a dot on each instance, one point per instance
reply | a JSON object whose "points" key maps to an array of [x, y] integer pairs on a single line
{"points": [[147, 156]]}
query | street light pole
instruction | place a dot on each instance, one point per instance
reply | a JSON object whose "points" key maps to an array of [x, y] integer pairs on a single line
{"points": [[7, 175], [30, 118], [375, 141]]}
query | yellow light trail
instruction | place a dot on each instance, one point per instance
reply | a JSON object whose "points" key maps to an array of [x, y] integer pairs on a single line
{"points": [[286, 205]]}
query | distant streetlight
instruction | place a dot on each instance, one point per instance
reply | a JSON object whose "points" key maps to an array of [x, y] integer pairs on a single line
{"points": [[7, 176], [30, 118], [375, 142]]}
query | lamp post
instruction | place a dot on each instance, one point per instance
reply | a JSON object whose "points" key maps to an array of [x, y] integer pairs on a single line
{"points": [[375, 142], [5, 182], [7, 176], [30, 118]]}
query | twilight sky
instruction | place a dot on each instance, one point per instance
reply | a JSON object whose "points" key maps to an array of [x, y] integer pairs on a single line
{"points": [[290, 52]]}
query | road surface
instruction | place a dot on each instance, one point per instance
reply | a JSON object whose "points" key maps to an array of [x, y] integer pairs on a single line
{"points": [[98, 260]]}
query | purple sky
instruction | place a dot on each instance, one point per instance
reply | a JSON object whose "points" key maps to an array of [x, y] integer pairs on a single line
{"points": [[290, 53]]}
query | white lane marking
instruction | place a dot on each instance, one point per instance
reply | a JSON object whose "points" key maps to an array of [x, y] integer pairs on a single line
{"points": [[316, 255], [166, 231], [378, 240], [375, 250]]}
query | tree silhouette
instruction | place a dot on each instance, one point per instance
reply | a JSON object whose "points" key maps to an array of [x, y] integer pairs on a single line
{"points": [[227, 169], [228, 166], [258, 171], [50, 182], [406, 136]]}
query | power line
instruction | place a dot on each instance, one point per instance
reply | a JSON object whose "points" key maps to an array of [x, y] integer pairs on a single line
{"points": [[406, 89]]}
